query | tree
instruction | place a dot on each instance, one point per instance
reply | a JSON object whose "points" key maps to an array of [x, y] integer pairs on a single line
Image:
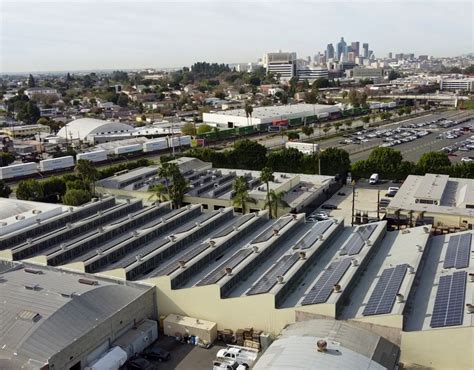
{"points": [[248, 111], [311, 97], [202, 129], [53, 189], [248, 154], [188, 129], [87, 172], [321, 83], [334, 161], [5, 190], [159, 192], [354, 98], [276, 200], [31, 81], [344, 94], [433, 162], [175, 183], [28, 113], [307, 130], [76, 197], [29, 190], [241, 195], [384, 161], [292, 135], [393, 75], [122, 100], [266, 175], [365, 119], [6, 158]]}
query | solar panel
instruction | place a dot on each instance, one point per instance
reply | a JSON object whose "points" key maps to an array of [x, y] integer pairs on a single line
{"points": [[312, 235], [219, 272], [321, 291], [240, 221], [449, 302], [385, 292], [270, 278], [267, 234], [458, 251], [357, 240], [172, 265]]}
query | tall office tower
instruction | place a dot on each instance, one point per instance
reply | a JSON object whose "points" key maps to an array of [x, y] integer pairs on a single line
{"points": [[365, 48], [355, 46], [330, 51], [371, 55], [281, 64], [341, 50], [351, 56], [390, 55]]}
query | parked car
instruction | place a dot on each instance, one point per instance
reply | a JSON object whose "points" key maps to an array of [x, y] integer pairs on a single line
{"points": [[392, 190], [139, 363], [328, 206], [156, 353]]}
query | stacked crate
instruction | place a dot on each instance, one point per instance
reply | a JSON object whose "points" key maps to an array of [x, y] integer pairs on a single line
{"points": [[239, 337]]}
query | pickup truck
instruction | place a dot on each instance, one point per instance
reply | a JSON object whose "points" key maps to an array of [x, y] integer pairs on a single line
{"points": [[244, 356], [227, 364]]}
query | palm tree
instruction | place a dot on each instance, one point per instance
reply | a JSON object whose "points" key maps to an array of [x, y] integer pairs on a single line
{"points": [[266, 175], [241, 197], [248, 111], [175, 183], [159, 192], [276, 200]]}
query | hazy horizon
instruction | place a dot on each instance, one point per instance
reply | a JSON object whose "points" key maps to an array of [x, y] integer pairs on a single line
{"points": [[83, 35]]}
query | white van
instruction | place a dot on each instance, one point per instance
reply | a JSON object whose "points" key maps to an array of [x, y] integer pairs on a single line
{"points": [[374, 179]]}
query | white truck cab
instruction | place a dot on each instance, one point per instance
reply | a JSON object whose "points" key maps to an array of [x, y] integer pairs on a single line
{"points": [[227, 364], [242, 355], [374, 179]]}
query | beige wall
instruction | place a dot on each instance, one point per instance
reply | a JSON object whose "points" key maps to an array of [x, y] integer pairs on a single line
{"points": [[440, 219], [439, 348]]}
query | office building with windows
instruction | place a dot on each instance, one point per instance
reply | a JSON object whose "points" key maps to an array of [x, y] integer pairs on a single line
{"points": [[282, 64]]}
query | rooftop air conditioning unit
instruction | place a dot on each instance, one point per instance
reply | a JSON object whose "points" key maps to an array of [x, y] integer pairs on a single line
{"points": [[255, 249], [36, 211], [280, 279], [354, 262], [182, 264], [228, 271], [400, 297], [322, 345], [302, 255]]}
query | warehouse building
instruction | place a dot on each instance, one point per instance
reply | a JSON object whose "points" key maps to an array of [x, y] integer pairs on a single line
{"points": [[457, 84], [242, 271], [438, 200], [283, 115], [90, 130], [213, 188], [24, 131], [54, 319]]}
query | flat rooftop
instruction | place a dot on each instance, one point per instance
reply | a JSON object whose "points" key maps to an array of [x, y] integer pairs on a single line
{"points": [[457, 198], [276, 111]]}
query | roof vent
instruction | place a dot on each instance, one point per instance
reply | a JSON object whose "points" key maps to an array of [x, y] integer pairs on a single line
{"points": [[235, 228], [188, 206], [182, 264], [275, 232], [29, 316], [32, 286], [255, 249], [100, 229], [294, 217], [38, 220], [368, 243], [400, 298], [470, 308], [138, 257], [88, 281], [336, 288], [335, 221], [68, 225], [99, 213], [99, 251], [19, 217], [426, 229], [36, 211], [419, 248], [63, 246], [471, 276], [322, 345], [228, 271], [29, 241], [33, 271], [71, 209], [222, 210], [172, 238], [321, 237], [212, 243], [134, 233], [280, 279], [354, 262], [411, 270], [302, 255], [130, 216], [163, 220], [198, 224]]}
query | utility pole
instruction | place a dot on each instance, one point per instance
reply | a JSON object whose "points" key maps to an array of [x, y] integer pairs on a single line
{"points": [[378, 204], [353, 203]]}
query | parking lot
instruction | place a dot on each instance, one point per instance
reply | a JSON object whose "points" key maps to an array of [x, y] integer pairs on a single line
{"points": [[417, 136], [185, 356]]}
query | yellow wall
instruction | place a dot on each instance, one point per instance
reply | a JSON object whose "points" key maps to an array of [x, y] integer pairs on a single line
{"points": [[394, 321], [439, 348]]}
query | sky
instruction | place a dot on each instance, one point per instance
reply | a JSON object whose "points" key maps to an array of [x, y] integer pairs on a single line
{"points": [[69, 35]]}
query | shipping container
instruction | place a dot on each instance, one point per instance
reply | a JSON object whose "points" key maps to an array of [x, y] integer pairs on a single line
{"points": [[185, 140], [305, 148], [95, 156], [18, 170], [55, 164], [155, 145], [128, 149]]}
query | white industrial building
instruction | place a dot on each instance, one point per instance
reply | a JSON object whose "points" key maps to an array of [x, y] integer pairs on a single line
{"points": [[87, 129], [312, 73], [267, 115], [461, 84]]}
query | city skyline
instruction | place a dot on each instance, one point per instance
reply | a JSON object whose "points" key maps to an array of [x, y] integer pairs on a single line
{"points": [[52, 36]]}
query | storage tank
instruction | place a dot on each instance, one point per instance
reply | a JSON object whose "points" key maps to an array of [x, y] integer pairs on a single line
{"points": [[155, 145], [128, 149], [95, 156], [18, 170], [55, 164]]}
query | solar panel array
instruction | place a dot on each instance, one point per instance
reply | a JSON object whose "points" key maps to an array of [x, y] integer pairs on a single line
{"points": [[321, 291], [357, 240], [383, 297], [192, 224], [458, 252], [266, 283], [312, 235], [219, 272], [267, 234], [173, 265], [240, 221], [449, 303]]}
